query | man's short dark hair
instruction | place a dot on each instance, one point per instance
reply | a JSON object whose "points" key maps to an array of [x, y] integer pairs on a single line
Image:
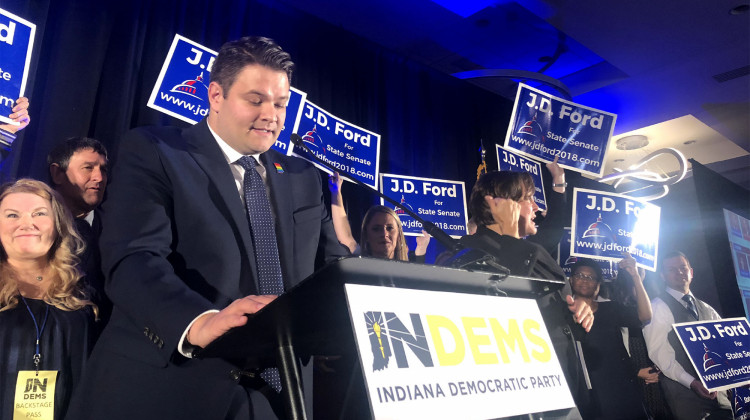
{"points": [[588, 262], [669, 256], [62, 153], [235, 55], [503, 184]]}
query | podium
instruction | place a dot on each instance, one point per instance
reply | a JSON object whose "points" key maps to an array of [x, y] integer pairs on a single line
{"points": [[312, 318]]}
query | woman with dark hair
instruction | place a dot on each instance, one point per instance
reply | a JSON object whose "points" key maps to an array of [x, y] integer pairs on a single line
{"points": [[46, 321], [382, 233], [502, 205], [614, 392]]}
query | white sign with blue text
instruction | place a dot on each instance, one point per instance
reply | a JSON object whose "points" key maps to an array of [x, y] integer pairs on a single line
{"points": [[435, 200], [509, 161], [16, 43], [181, 90], [718, 350], [544, 127], [606, 225], [439, 355]]}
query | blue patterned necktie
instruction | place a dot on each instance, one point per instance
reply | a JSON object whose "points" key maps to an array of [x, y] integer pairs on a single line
{"points": [[266, 249], [691, 306]]}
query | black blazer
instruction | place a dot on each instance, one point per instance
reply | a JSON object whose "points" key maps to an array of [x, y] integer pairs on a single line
{"points": [[176, 243]]}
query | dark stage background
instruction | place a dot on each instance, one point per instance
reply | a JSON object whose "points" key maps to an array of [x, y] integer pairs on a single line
{"points": [[95, 63]]}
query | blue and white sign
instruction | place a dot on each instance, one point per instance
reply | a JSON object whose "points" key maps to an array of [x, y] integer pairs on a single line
{"points": [[605, 225], [16, 43], [435, 200], [566, 261], [353, 151], [509, 161], [718, 350], [182, 89], [293, 115], [544, 127]]}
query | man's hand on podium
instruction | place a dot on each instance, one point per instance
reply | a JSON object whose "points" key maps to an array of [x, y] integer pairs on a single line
{"points": [[582, 312], [211, 326]]}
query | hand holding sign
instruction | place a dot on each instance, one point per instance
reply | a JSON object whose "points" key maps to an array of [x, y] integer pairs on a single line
{"points": [[20, 116], [701, 390], [422, 243]]}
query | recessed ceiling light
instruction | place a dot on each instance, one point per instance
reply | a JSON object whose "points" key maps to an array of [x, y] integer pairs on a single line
{"points": [[689, 142], [741, 9], [632, 142]]}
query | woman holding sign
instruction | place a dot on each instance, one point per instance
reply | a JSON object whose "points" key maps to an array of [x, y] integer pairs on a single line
{"points": [[382, 233], [46, 322], [614, 392]]}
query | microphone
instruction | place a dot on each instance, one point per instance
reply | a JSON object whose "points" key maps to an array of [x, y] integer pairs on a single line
{"points": [[429, 227]]}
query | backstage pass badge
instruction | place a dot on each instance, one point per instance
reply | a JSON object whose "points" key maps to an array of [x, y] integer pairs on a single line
{"points": [[35, 395]]}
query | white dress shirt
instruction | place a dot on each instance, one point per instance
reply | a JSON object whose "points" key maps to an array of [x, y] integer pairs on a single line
{"points": [[655, 333]]}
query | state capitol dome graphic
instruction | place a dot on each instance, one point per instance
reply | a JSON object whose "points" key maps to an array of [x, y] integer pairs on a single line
{"points": [[599, 229], [532, 129], [195, 88], [399, 211]]}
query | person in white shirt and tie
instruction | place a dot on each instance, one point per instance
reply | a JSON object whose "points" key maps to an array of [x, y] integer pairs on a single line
{"points": [[683, 390]]}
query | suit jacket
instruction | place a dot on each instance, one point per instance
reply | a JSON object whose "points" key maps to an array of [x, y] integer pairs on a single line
{"points": [[175, 243], [91, 265]]}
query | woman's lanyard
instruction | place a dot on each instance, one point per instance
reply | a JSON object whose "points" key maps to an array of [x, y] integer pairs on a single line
{"points": [[37, 355]]}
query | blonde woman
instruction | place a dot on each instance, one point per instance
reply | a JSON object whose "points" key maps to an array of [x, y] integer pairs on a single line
{"points": [[46, 321]]}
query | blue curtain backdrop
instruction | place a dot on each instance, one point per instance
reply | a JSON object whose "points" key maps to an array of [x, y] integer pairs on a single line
{"points": [[95, 63]]}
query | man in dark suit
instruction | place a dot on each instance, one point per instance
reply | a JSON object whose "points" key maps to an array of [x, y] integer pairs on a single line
{"points": [[184, 259], [78, 171]]}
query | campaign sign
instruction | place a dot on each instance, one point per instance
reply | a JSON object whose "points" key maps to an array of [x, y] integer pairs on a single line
{"points": [[182, 88], [16, 42], [741, 402], [352, 150], [293, 115], [439, 355], [509, 161], [718, 350], [605, 225], [435, 200], [566, 261], [544, 127]]}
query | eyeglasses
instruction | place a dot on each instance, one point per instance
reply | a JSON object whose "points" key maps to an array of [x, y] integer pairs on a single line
{"points": [[584, 277]]}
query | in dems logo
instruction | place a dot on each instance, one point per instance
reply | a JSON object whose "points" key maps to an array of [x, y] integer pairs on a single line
{"points": [[451, 343]]}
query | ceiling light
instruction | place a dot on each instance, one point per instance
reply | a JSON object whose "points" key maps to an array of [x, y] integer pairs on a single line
{"points": [[632, 142]]}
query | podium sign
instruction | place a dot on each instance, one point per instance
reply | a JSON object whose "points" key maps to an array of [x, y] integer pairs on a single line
{"points": [[718, 350], [439, 355]]}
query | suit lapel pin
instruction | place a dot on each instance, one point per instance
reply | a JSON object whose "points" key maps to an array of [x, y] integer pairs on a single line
{"points": [[279, 168]]}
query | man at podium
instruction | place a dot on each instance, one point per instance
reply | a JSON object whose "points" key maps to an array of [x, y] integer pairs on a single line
{"points": [[202, 227]]}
